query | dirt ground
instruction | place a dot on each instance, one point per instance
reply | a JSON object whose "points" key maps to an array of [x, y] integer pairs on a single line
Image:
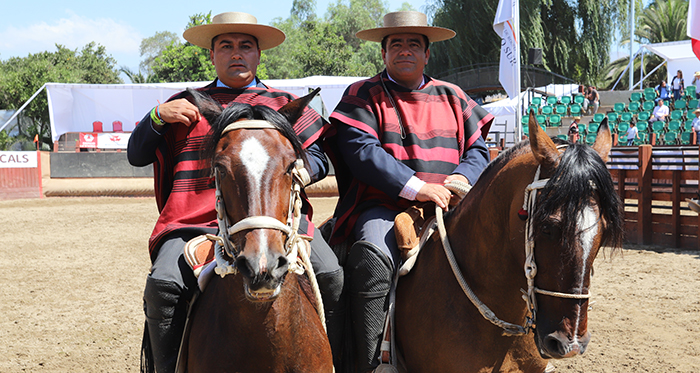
{"points": [[73, 271]]}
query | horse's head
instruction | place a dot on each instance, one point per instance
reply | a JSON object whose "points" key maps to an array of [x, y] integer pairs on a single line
{"points": [[255, 159], [571, 217]]}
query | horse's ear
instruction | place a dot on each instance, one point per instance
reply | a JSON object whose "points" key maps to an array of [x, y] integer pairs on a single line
{"points": [[209, 108], [603, 142], [293, 110], [543, 148]]}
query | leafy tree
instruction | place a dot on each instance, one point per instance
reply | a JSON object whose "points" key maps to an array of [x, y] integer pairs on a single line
{"points": [[152, 47], [661, 21], [21, 77]]}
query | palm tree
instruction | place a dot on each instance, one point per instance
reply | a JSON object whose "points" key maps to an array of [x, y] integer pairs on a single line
{"points": [[137, 77], [662, 21]]}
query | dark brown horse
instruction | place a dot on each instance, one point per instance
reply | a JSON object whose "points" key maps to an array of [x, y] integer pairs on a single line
{"points": [[254, 316], [505, 248]]}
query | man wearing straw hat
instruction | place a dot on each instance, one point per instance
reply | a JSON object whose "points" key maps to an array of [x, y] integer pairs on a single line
{"points": [[168, 137], [396, 139]]}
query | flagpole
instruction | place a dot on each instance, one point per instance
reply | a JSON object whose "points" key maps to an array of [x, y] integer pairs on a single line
{"points": [[518, 113]]}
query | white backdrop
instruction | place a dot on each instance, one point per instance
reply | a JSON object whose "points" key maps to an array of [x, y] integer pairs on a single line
{"points": [[73, 107]]}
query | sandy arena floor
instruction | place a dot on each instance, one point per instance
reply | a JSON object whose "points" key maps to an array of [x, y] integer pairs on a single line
{"points": [[74, 271]]}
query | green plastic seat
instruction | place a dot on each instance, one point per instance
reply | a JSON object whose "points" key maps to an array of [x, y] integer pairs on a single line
{"points": [[525, 120], [686, 137], [658, 126], [671, 138], [536, 101], [643, 126], [555, 120], [552, 100], [563, 137], [613, 117], [625, 117], [648, 105], [649, 97], [674, 126], [692, 104], [575, 110], [623, 127], [634, 107], [593, 128], [643, 139], [526, 130], [649, 90], [582, 129], [619, 107], [566, 100], [598, 117], [560, 109], [635, 97], [535, 108], [579, 99], [676, 115], [688, 125], [679, 105], [690, 91], [590, 139], [541, 119], [547, 110], [643, 116]]}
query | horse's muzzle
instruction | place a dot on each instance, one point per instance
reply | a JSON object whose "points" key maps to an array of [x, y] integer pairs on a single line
{"points": [[557, 345], [262, 282]]}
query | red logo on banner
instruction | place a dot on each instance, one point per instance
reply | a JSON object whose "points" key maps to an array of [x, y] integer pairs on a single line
{"points": [[87, 140]]}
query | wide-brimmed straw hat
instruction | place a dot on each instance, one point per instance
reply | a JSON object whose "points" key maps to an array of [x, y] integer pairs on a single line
{"points": [[697, 73], [696, 111], [410, 22], [234, 22]]}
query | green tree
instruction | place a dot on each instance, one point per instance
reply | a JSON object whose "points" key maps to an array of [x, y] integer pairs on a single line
{"points": [[21, 77], [152, 47], [660, 22]]}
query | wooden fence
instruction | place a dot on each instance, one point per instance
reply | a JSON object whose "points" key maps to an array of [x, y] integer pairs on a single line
{"points": [[654, 183]]}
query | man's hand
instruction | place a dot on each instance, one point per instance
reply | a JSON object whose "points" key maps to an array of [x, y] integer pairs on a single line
{"points": [[436, 193], [179, 111], [456, 177]]}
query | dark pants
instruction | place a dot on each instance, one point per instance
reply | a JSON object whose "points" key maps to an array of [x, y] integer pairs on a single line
{"points": [[171, 285]]}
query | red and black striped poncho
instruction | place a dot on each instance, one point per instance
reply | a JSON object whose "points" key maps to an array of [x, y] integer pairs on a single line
{"points": [[440, 124]]}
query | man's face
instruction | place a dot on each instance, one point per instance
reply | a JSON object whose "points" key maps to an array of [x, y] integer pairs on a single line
{"points": [[236, 58], [405, 57], [661, 102]]}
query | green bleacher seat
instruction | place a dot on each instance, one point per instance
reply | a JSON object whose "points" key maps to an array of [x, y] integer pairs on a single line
{"points": [[643, 139], [674, 126], [525, 120], [676, 115], [555, 120], [658, 126], [547, 110], [686, 138], [593, 127], [533, 107], [563, 137], [536, 101], [688, 125], [566, 100], [649, 90], [692, 104], [575, 110], [679, 105], [552, 100], [622, 128], [526, 130], [579, 99], [649, 97], [643, 126], [643, 116], [690, 91], [613, 117], [541, 119], [625, 117], [582, 129], [671, 138], [598, 117], [648, 105], [634, 107], [590, 139], [636, 97], [619, 107], [560, 109]]}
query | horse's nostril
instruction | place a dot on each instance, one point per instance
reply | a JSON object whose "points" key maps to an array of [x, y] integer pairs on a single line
{"points": [[553, 345], [244, 267], [282, 262]]}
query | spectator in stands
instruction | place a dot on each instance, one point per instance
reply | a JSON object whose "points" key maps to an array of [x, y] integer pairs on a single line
{"points": [[678, 85], [696, 123], [573, 130], [592, 98], [632, 134], [169, 136], [662, 92], [696, 82], [660, 112]]}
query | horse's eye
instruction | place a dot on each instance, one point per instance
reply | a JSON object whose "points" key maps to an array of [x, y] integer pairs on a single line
{"points": [[547, 229]]}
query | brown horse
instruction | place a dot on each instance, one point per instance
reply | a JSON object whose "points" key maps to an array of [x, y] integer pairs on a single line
{"points": [[504, 248], [255, 316]]}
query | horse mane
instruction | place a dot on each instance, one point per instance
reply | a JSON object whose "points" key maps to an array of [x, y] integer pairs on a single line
{"points": [[579, 166], [220, 117]]}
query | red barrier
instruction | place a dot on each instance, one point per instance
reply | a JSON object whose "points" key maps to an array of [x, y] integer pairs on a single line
{"points": [[16, 183]]}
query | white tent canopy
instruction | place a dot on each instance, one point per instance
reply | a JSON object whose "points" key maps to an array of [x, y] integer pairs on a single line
{"points": [[678, 55], [74, 107]]}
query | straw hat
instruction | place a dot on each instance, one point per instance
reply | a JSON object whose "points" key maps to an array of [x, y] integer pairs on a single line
{"points": [[406, 23], [696, 111], [234, 22]]}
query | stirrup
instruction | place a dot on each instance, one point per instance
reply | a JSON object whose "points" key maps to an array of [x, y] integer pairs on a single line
{"points": [[199, 251]]}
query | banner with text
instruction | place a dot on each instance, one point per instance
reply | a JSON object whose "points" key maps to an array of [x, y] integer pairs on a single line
{"points": [[19, 159]]}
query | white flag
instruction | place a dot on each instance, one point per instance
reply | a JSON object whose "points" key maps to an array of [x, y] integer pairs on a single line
{"points": [[694, 25], [505, 26]]}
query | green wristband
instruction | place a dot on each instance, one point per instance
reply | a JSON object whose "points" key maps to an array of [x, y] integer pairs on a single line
{"points": [[155, 119]]}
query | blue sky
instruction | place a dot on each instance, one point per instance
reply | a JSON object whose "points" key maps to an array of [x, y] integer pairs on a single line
{"points": [[37, 26]]}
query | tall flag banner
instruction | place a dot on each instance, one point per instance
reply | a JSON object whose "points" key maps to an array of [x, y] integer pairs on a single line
{"points": [[506, 26], [694, 25]]}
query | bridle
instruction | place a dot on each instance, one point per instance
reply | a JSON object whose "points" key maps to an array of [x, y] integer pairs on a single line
{"points": [[530, 267], [294, 245]]}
